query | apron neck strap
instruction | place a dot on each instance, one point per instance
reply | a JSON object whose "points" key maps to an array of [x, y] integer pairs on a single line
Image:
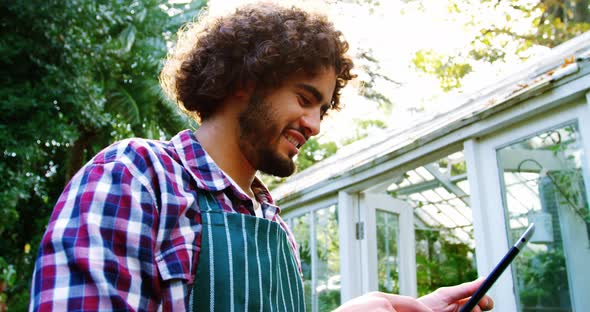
{"points": [[207, 202]]}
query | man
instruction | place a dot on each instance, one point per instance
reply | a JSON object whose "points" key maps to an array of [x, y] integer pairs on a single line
{"points": [[185, 224]]}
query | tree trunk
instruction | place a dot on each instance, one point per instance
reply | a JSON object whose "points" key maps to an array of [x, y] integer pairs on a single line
{"points": [[76, 157], [581, 14]]}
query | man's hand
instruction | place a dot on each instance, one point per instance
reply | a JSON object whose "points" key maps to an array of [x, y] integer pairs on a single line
{"points": [[446, 299], [381, 302], [451, 299]]}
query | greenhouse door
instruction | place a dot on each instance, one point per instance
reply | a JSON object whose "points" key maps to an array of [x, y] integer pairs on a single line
{"points": [[537, 173], [389, 254]]}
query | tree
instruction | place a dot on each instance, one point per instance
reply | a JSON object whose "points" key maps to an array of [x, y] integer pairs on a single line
{"points": [[371, 77], [520, 26], [76, 76]]}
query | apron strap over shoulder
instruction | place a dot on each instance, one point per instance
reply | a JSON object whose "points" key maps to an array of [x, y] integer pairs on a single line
{"points": [[207, 202], [209, 206]]}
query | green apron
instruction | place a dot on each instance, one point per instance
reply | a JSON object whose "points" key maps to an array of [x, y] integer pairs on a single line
{"points": [[245, 264]]}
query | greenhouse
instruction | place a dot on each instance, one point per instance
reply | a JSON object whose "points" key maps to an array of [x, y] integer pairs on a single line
{"points": [[440, 202]]}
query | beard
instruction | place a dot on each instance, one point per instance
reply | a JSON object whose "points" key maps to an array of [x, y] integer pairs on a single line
{"points": [[259, 136]]}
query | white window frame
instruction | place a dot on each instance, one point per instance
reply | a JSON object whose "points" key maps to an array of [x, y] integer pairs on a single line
{"points": [[311, 209], [371, 203], [486, 194], [345, 188]]}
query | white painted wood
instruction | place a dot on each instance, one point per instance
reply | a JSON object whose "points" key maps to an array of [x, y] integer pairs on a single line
{"points": [[381, 187], [576, 247], [574, 232], [447, 184], [310, 206], [516, 159], [314, 262], [487, 204], [479, 213], [407, 250], [493, 225], [383, 167], [350, 262], [568, 101], [367, 259], [584, 125]]}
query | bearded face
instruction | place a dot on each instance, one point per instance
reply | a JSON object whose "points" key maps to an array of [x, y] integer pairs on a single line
{"points": [[260, 133], [276, 123]]}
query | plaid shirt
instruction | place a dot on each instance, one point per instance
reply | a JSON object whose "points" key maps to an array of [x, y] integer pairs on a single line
{"points": [[125, 233]]}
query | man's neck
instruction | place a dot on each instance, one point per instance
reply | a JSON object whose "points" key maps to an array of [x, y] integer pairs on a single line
{"points": [[218, 138]]}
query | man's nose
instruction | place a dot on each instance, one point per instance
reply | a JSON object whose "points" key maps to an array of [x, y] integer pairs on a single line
{"points": [[310, 122]]}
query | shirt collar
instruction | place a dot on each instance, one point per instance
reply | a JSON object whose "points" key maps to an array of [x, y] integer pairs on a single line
{"points": [[263, 195], [200, 165], [208, 175]]}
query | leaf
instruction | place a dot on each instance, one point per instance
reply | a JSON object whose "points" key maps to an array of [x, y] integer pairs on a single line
{"points": [[140, 16], [447, 70], [120, 102], [188, 15], [126, 39]]}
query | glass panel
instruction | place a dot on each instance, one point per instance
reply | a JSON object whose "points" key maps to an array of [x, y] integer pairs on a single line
{"points": [[443, 258], [301, 230], [543, 183], [445, 253], [327, 271], [387, 251]]}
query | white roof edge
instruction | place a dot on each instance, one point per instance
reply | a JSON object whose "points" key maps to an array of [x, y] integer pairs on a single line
{"points": [[503, 89]]}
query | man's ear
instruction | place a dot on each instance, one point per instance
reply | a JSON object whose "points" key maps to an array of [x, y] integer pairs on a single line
{"points": [[240, 97], [245, 91]]}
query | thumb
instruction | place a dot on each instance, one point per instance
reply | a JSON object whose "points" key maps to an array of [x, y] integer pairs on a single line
{"points": [[461, 291]]}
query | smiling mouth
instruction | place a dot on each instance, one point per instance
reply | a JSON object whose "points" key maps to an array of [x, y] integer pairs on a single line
{"points": [[293, 141]]}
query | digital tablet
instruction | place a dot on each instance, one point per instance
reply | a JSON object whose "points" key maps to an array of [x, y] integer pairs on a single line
{"points": [[504, 263]]}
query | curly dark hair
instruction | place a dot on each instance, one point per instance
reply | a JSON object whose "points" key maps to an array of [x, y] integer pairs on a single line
{"points": [[260, 43]]}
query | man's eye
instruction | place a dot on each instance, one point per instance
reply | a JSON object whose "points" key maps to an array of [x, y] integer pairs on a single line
{"points": [[304, 100]]}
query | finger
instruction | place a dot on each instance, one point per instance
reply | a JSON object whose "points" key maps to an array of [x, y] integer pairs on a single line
{"points": [[462, 302], [405, 303], [461, 291], [486, 303]]}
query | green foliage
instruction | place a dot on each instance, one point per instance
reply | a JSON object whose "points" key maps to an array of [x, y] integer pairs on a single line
{"points": [[541, 278], [372, 5], [387, 252], [310, 153], [525, 24], [327, 264], [76, 76], [568, 182], [442, 261], [459, 168], [329, 300], [302, 231], [7, 280], [327, 258], [314, 151], [447, 69]]}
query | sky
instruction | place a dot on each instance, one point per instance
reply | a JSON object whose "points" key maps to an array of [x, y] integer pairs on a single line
{"points": [[394, 31]]}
